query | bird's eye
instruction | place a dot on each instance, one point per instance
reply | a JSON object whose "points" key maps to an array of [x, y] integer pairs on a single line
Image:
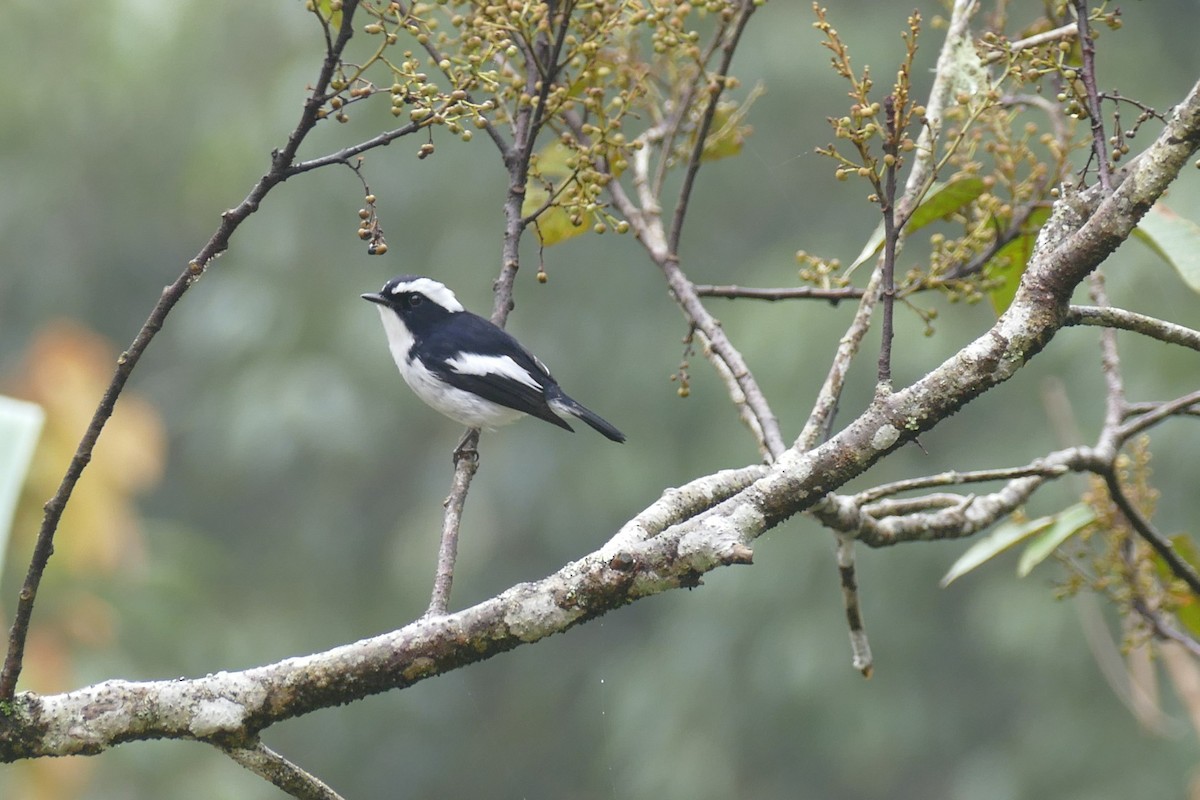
{"points": [[415, 300]]}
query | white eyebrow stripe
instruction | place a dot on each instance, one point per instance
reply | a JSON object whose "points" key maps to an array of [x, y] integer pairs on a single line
{"points": [[476, 364], [435, 291]]}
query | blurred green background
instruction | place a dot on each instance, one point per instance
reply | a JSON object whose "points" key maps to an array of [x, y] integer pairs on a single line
{"points": [[288, 486]]}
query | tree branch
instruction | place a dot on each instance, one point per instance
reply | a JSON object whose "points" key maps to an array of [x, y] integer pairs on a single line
{"points": [[745, 503], [281, 160], [1088, 75], [834, 296], [266, 763], [1110, 317]]}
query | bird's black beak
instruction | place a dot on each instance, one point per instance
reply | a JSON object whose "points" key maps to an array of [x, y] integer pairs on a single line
{"points": [[375, 297]]}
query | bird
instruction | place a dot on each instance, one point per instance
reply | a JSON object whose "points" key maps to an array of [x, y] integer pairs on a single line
{"points": [[467, 368]]}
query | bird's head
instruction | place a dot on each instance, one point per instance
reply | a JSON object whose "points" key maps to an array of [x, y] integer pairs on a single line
{"points": [[416, 301]]}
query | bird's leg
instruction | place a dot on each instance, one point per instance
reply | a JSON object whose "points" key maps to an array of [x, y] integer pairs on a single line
{"points": [[466, 447]]}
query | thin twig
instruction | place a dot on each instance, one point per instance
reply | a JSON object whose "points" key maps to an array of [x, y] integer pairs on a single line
{"points": [[860, 645], [266, 763], [834, 296], [1132, 321], [887, 204], [1188, 404], [1016, 228], [466, 464], [344, 155], [1163, 629], [1189, 409], [715, 88], [1052, 465], [1110, 366], [281, 160], [1088, 74], [1144, 528]]}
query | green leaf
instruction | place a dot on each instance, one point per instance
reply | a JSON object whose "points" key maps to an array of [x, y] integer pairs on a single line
{"points": [[1184, 603], [1005, 537], [1009, 262], [554, 160], [942, 200], [727, 135], [1067, 523], [325, 9], [20, 424], [993, 544], [1175, 239], [554, 223]]}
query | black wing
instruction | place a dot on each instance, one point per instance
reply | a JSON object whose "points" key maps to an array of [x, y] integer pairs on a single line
{"points": [[479, 348]]}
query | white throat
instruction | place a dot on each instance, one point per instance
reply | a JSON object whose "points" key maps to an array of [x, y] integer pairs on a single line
{"points": [[400, 339]]}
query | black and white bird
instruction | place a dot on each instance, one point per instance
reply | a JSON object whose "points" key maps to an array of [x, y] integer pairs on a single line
{"points": [[465, 367]]}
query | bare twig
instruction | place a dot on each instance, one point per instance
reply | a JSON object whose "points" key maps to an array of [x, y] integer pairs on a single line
{"points": [[466, 463], [1053, 465], [281, 161], [887, 203], [1110, 366], [1188, 404], [344, 155], [834, 296], [714, 90], [266, 763], [1132, 321], [860, 645], [1088, 75], [1189, 409], [1145, 529]]}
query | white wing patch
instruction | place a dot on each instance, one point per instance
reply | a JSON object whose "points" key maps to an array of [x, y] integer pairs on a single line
{"points": [[476, 364], [435, 291]]}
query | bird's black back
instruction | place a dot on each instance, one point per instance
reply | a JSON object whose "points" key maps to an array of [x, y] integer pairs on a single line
{"points": [[450, 335]]}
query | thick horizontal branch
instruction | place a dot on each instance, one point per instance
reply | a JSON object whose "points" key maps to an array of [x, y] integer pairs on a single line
{"points": [[229, 709], [1110, 317]]}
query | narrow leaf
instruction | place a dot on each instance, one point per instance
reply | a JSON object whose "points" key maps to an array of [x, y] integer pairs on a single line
{"points": [[993, 544], [1067, 523], [940, 201], [1009, 262], [1175, 239], [944, 199]]}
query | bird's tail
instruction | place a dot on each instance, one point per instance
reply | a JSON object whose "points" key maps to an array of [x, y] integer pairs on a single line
{"points": [[564, 404]]}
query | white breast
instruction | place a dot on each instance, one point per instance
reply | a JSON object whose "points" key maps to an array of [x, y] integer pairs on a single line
{"points": [[462, 407]]}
